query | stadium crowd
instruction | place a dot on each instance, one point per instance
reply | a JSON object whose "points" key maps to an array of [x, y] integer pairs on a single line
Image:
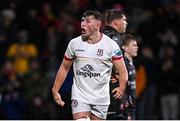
{"points": [[33, 38]]}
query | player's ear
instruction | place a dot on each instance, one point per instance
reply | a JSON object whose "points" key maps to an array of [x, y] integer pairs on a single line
{"points": [[116, 22], [98, 25], [123, 47]]}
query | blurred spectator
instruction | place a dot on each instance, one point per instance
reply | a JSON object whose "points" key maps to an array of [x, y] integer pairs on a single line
{"points": [[21, 52], [168, 36], [146, 103], [46, 16], [7, 24], [33, 79], [36, 109], [35, 29], [33, 38], [7, 31], [3, 48], [67, 24], [12, 100], [168, 89]]}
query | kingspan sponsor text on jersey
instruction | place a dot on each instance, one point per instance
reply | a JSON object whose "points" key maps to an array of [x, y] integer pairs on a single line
{"points": [[87, 74]]}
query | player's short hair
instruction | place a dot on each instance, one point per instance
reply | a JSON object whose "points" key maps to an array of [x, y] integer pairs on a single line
{"points": [[97, 15], [112, 14], [127, 38]]}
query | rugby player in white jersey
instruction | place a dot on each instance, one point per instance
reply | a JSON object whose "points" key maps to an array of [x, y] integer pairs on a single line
{"points": [[93, 55]]}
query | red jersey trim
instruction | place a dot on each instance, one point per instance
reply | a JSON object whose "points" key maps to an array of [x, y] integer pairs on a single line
{"points": [[117, 58], [66, 58]]}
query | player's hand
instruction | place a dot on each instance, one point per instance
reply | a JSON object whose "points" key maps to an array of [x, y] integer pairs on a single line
{"points": [[118, 92], [113, 79], [57, 99], [124, 105]]}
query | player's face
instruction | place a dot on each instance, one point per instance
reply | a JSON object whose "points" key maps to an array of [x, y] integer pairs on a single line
{"points": [[132, 48], [89, 25], [122, 24]]}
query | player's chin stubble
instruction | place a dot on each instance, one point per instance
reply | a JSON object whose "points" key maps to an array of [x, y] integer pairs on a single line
{"points": [[84, 38]]}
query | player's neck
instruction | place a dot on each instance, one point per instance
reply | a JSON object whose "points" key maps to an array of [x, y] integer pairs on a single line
{"points": [[96, 37], [115, 27], [130, 58]]}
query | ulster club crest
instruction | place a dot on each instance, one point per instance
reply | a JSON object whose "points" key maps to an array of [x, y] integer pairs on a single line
{"points": [[100, 52]]}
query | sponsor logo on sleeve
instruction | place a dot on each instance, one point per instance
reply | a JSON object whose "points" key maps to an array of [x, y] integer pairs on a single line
{"points": [[118, 52]]}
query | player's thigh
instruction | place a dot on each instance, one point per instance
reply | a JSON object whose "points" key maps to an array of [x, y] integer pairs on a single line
{"points": [[80, 109], [93, 117], [81, 115], [99, 112]]}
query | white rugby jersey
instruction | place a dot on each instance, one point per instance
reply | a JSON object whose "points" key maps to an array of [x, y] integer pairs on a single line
{"points": [[92, 68]]}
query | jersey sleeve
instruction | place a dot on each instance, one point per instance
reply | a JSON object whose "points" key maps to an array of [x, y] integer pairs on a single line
{"points": [[69, 53], [116, 52]]}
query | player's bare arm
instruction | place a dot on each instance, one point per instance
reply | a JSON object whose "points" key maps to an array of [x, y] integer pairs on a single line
{"points": [[123, 77], [60, 77]]}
